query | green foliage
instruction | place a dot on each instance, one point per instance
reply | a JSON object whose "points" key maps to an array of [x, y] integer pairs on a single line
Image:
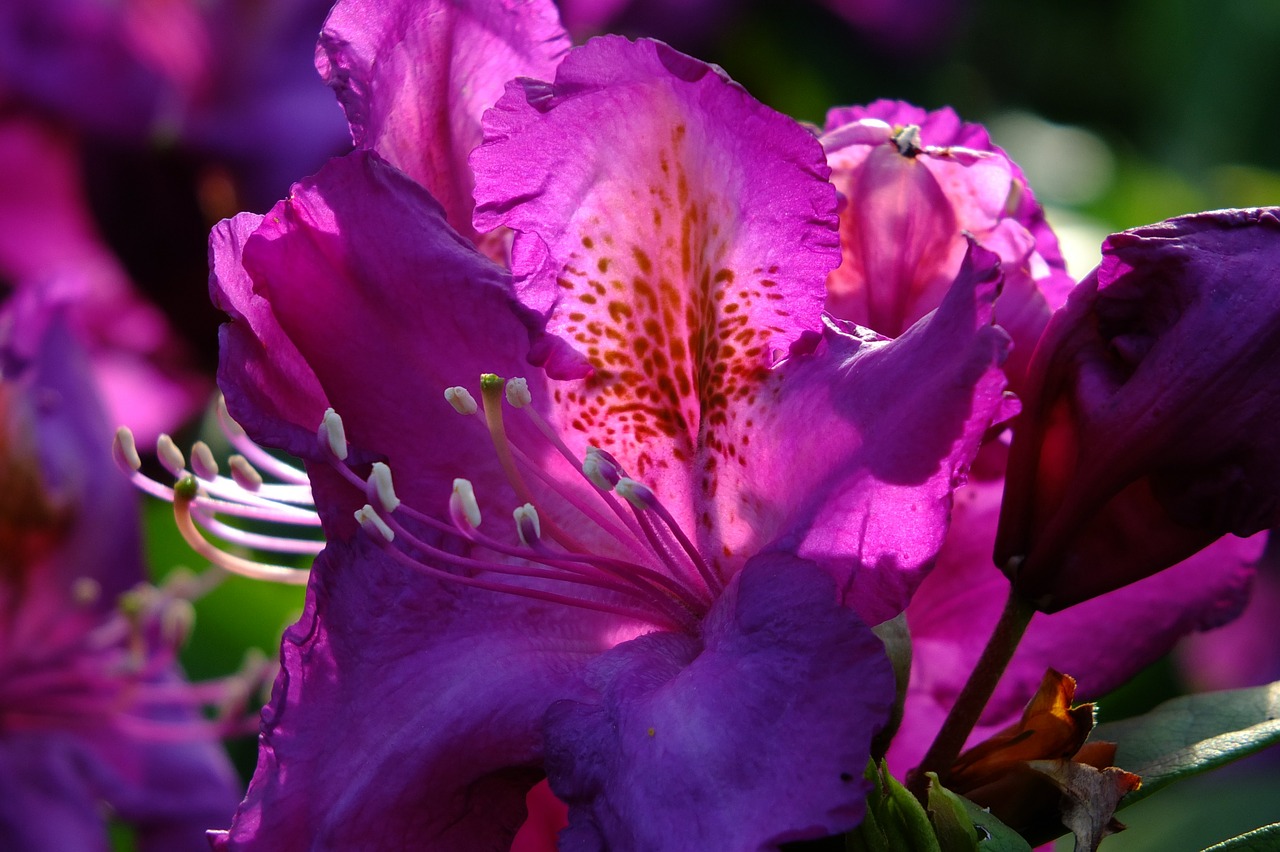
{"points": [[1192, 734]]}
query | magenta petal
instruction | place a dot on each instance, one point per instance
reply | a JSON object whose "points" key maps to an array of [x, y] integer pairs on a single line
{"points": [[755, 734], [903, 231], [1102, 642], [415, 77], [407, 713], [678, 265], [382, 307], [869, 438]]}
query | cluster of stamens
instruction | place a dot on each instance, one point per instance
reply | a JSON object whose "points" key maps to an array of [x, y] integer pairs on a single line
{"points": [[113, 667], [202, 497], [653, 572]]}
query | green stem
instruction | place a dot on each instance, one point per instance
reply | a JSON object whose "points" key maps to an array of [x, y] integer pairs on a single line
{"points": [[976, 693]]}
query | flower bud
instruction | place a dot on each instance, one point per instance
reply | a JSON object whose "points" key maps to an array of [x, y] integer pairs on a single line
{"points": [[1149, 426]]}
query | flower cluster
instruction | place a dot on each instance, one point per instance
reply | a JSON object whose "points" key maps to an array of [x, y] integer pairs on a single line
{"points": [[660, 445]]}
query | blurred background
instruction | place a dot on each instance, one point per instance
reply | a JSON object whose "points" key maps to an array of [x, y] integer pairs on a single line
{"points": [[128, 128]]}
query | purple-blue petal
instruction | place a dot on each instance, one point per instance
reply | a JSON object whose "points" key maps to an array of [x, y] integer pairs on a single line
{"points": [[752, 734]]}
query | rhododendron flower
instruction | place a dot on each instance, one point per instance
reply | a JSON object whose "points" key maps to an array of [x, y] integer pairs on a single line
{"points": [[94, 715], [715, 488], [1148, 432], [916, 183], [1101, 643]]}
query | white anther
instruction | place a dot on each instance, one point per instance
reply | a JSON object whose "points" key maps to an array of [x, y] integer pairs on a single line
{"points": [[527, 524], [599, 470], [368, 518], [170, 456], [203, 464], [244, 474], [125, 449], [382, 487], [636, 493], [333, 434], [463, 501], [518, 392], [177, 621], [461, 400], [86, 591]]}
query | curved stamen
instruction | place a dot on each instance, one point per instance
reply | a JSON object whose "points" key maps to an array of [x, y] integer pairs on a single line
{"points": [[642, 497], [645, 616], [255, 541], [184, 494], [259, 457]]}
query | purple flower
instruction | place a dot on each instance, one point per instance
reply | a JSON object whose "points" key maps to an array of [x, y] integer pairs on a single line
{"points": [[915, 184], [1148, 432], [923, 203], [50, 245], [715, 487], [226, 78], [94, 714]]}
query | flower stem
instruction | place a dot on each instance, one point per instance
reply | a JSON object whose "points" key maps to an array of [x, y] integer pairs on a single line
{"points": [[976, 693]]}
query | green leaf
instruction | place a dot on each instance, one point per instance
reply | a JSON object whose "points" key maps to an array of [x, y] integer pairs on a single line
{"points": [[993, 835], [950, 819], [1265, 839], [1193, 734]]}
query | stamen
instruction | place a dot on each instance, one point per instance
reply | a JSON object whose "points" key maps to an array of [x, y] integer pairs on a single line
{"points": [[255, 541], [203, 464], [462, 503], [601, 469], [332, 434], [255, 454], [86, 591], [381, 488], [242, 473], [125, 449], [491, 387], [177, 621], [636, 493], [461, 400], [184, 494], [527, 525], [518, 392], [642, 498], [368, 518], [170, 456]]}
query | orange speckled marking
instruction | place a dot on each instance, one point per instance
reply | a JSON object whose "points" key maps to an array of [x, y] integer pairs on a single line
{"points": [[677, 337]]}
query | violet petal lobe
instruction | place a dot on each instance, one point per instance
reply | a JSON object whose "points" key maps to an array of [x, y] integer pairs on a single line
{"points": [[1149, 431], [414, 79], [753, 734], [380, 733], [869, 438], [360, 246]]}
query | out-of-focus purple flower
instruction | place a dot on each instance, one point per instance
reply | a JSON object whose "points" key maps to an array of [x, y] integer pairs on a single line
{"points": [[50, 245], [228, 78], [1244, 652], [1148, 429], [94, 715], [915, 183], [671, 650]]}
